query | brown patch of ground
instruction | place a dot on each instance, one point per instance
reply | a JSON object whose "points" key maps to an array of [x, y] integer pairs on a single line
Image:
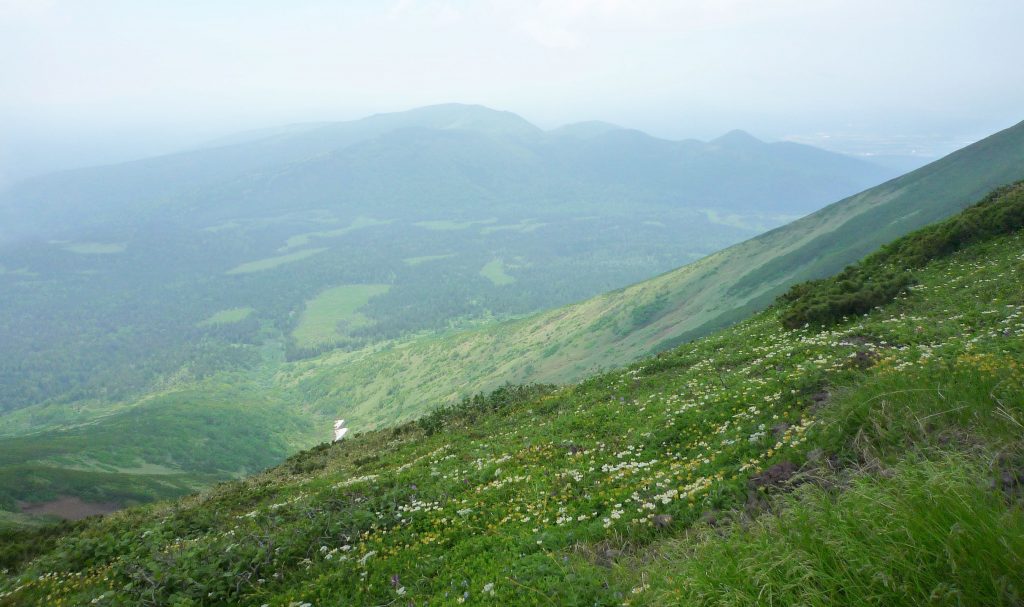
{"points": [[68, 507]]}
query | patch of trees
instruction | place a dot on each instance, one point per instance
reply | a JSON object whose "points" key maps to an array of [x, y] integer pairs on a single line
{"points": [[471, 407]]}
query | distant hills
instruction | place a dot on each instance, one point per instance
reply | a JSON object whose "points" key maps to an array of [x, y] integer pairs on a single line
{"points": [[464, 213], [441, 157]]}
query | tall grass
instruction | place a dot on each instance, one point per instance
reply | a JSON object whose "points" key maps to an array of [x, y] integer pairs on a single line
{"points": [[925, 535], [925, 510], [974, 403]]}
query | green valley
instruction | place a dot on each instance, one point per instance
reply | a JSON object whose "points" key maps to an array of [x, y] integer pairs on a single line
{"points": [[382, 335], [110, 272], [875, 457]]}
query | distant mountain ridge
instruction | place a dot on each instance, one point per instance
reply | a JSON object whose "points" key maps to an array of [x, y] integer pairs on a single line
{"points": [[368, 159]]}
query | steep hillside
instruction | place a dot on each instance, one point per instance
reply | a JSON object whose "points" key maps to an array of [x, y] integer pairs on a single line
{"points": [[402, 381], [873, 460]]}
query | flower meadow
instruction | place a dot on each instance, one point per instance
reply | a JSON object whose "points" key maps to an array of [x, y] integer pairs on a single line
{"points": [[542, 495]]}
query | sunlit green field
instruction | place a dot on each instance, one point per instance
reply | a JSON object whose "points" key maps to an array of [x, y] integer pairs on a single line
{"points": [[225, 317], [415, 261], [495, 272], [333, 312], [301, 240], [95, 248], [270, 263]]}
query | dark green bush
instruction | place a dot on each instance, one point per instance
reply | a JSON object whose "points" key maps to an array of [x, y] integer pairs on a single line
{"points": [[879, 278], [20, 545], [472, 406], [854, 291]]}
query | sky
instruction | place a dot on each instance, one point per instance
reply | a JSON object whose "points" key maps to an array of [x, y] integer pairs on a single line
{"points": [[89, 82]]}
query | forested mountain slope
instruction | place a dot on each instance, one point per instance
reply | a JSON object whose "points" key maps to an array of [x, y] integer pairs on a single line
{"points": [[872, 459], [403, 381]]}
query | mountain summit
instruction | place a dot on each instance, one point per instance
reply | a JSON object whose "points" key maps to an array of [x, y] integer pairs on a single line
{"points": [[737, 139]]}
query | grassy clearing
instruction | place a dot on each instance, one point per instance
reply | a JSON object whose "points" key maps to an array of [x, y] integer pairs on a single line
{"points": [[301, 240], [525, 226], [446, 225], [494, 271], [96, 248], [177, 441], [273, 262], [19, 272], [16, 520], [415, 261], [226, 317], [334, 312]]}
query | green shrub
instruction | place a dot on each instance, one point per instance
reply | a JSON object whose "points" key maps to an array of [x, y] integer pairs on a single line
{"points": [[880, 277], [20, 545], [471, 407]]}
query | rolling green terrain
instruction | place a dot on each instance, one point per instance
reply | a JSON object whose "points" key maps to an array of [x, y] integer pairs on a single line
{"points": [[169, 444], [111, 271], [403, 381], [873, 458], [385, 373]]}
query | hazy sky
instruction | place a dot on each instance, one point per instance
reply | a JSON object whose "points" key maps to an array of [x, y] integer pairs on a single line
{"points": [[101, 78]]}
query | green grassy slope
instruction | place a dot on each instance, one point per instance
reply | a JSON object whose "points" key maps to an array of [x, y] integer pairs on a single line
{"points": [[667, 482], [384, 386]]}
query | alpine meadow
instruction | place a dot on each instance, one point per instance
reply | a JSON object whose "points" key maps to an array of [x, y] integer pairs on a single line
{"points": [[752, 336]]}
